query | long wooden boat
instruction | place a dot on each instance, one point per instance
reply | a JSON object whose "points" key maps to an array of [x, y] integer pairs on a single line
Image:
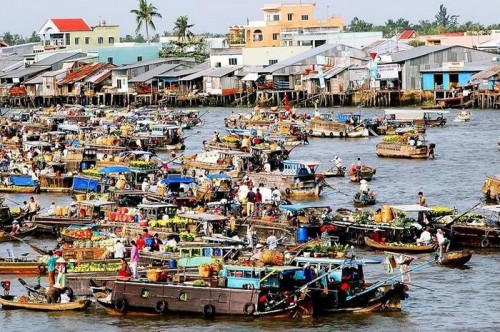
{"points": [[19, 189], [400, 150], [456, 258], [396, 247], [6, 237], [20, 267], [9, 302]]}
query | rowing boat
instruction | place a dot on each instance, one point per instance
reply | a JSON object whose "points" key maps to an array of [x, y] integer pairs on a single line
{"points": [[12, 302], [456, 258], [398, 247]]}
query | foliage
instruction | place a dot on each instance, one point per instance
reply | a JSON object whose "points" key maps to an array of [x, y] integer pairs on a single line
{"points": [[199, 283], [181, 29], [144, 16], [196, 49], [417, 43], [338, 247], [362, 217], [358, 25], [449, 22]]}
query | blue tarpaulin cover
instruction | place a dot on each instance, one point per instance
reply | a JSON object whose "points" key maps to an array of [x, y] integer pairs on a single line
{"points": [[178, 179], [114, 169], [24, 181], [80, 183]]}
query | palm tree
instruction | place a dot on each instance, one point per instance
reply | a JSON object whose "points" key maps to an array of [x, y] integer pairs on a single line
{"points": [[182, 27], [144, 15]]}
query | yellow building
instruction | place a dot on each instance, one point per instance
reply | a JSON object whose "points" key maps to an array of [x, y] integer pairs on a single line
{"points": [[75, 33], [280, 20]]}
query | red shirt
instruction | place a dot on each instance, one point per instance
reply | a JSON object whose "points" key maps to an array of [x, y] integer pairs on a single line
{"points": [[258, 198], [140, 243]]}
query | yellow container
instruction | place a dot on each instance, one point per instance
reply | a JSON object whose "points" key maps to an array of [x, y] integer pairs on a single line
{"points": [[65, 210], [386, 213], [160, 191], [59, 211], [377, 217], [80, 197]]}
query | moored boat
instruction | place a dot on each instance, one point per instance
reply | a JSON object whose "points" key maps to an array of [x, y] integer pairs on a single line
{"points": [[404, 146], [491, 189], [455, 258]]}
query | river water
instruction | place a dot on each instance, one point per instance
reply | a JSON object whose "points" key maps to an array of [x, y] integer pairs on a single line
{"points": [[441, 299]]}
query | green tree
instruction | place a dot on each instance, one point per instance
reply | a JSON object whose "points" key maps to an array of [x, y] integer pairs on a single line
{"points": [[144, 16], [394, 27], [139, 38], [425, 27], [127, 39], [181, 29], [448, 22], [34, 38], [8, 38], [358, 25]]}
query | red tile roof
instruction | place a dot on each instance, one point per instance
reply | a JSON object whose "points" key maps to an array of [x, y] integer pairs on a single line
{"points": [[407, 34], [70, 24], [3, 44]]}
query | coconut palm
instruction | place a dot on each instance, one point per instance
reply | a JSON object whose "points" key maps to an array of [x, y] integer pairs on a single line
{"points": [[182, 27], [144, 15]]}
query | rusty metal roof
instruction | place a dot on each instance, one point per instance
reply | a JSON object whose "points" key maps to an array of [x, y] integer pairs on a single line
{"points": [[84, 72], [487, 73]]}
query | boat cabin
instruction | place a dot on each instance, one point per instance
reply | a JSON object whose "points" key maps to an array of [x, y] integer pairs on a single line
{"points": [[252, 277], [155, 211], [206, 224], [163, 130]]}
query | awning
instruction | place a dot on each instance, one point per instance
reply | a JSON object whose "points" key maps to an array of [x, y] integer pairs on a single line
{"points": [[251, 77], [114, 169], [172, 179]]}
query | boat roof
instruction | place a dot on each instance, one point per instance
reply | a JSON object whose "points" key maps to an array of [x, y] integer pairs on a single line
{"points": [[37, 143], [336, 261], [155, 205], [491, 208], [298, 207], [268, 269], [302, 162], [178, 179], [202, 216], [410, 208], [414, 111], [94, 203]]}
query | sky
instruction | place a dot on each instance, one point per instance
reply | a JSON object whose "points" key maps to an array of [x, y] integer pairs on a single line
{"points": [[24, 16]]}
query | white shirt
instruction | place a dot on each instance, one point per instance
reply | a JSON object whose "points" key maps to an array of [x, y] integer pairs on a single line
{"points": [[145, 186], [272, 242], [119, 250], [425, 237], [440, 237], [276, 195]]}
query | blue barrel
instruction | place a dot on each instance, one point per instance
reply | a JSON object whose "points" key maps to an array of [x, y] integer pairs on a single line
{"points": [[207, 252], [136, 217], [302, 234], [85, 165], [172, 263]]}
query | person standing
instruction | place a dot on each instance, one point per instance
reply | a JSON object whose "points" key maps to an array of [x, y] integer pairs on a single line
{"points": [[272, 241], [140, 242], [276, 195], [258, 202], [51, 268], [155, 246], [33, 208], [134, 259], [61, 272], [119, 250], [359, 162], [250, 203]]}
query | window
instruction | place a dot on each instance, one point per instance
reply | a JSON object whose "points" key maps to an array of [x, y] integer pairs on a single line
{"points": [[257, 35], [304, 17], [100, 40], [110, 59], [217, 65], [119, 84], [87, 40], [233, 61], [275, 36], [290, 16], [272, 62], [139, 58], [77, 41], [276, 17], [111, 40], [68, 39]]}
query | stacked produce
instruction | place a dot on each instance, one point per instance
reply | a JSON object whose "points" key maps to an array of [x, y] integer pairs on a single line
{"points": [[230, 139], [187, 237], [143, 165], [91, 172], [440, 211], [392, 139], [78, 233], [95, 267]]}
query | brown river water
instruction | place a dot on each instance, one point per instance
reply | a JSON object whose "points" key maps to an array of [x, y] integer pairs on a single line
{"points": [[441, 299]]}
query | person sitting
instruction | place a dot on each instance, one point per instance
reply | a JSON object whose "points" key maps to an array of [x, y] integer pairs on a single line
{"points": [[155, 246], [16, 229], [125, 270], [425, 237]]}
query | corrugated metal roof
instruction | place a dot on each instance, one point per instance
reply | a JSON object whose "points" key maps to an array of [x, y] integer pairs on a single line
{"points": [[196, 75], [54, 73], [142, 63], [99, 77], [418, 52], [222, 71], [24, 72], [154, 73], [179, 73], [298, 58], [486, 73], [35, 80], [55, 58], [83, 72]]}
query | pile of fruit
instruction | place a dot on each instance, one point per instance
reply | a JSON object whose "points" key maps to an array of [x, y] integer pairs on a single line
{"points": [[272, 257], [15, 211], [96, 267], [230, 139], [440, 211], [82, 233], [392, 139], [400, 244], [141, 164], [187, 237], [91, 172]]}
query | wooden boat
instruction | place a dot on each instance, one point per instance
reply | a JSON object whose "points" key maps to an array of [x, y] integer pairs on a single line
{"points": [[212, 162], [207, 297], [455, 258], [9, 302], [491, 189], [402, 150], [361, 203], [365, 172], [334, 172], [26, 231], [463, 116], [398, 247], [324, 126]]}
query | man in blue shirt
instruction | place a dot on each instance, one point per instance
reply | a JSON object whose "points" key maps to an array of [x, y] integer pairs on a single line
{"points": [[51, 268]]}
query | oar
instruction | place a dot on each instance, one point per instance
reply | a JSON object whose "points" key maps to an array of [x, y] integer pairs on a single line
{"points": [[326, 184], [12, 201], [463, 214], [407, 283]]}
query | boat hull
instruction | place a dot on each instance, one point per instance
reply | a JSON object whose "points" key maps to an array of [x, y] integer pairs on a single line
{"points": [[394, 150], [403, 248], [7, 303], [456, 258]]}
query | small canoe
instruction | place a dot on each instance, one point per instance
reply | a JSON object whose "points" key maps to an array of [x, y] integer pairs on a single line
{"points": [[6, 237], [456, 258], [397, 247], [361, 203], [9, 302], [333, 172], [364, 173]]}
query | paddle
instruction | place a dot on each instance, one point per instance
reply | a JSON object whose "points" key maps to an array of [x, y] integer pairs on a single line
{"points": [[463, 214], [326, 184]]}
